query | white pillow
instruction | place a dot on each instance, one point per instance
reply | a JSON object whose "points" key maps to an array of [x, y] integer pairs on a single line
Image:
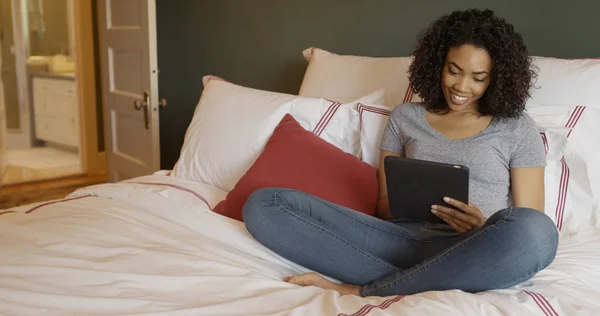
{"points": [[573, 171], [566, 81], [232, 123], [373, 121], [344, 78]]}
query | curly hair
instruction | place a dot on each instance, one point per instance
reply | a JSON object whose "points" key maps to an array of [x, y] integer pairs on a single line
{"points": [[511, 76]]}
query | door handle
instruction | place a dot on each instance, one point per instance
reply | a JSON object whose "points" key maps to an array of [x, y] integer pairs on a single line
{"points": [[162, 103], [143, 105]]}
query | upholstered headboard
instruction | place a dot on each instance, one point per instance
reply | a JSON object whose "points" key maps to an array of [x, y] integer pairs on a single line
{"points": [[259, 43]]}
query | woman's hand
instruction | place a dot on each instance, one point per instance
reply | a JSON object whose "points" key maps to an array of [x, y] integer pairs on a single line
{"points": [[315, 279], [462, 222]]}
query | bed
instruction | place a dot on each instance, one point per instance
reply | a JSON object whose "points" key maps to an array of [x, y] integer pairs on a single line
{"points": [[161, 244]]}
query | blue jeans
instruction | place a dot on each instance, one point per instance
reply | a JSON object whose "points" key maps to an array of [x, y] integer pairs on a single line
{"points": [[400, 256]]}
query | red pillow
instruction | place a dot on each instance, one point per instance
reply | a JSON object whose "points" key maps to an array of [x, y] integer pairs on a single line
{"points": [[295, 158]]}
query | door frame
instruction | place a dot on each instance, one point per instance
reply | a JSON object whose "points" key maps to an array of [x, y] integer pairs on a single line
{"points": [[93, 161]]}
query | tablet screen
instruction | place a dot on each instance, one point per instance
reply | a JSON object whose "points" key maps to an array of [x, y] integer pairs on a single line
{"points": [[415, 185]]}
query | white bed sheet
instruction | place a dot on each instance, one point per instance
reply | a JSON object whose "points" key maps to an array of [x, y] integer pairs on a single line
{"points": [[151, 246]]}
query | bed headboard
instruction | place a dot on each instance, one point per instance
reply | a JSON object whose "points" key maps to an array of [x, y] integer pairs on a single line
{"points": [[259, 43]]}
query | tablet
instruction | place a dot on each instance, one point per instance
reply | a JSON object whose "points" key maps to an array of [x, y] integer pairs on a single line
{"points": [[415, 185]]}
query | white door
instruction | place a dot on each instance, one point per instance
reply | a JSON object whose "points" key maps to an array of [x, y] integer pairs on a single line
{"points": [[127, 34]]}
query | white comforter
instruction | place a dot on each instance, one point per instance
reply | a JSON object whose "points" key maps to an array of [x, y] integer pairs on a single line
{"points": [[151, 246]]}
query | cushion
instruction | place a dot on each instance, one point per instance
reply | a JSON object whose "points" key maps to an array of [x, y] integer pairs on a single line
{"points": [[566, 81], [296, 158], [232, 123], [573, 164], [345, 77], [373, 121]]}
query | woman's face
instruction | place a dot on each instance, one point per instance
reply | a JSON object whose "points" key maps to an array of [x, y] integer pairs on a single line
{"points": [[465, 77]]}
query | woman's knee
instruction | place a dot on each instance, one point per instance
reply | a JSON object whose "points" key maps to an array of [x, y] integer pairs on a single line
{"points": [[264, 201], [254, 208], [537, 232]]}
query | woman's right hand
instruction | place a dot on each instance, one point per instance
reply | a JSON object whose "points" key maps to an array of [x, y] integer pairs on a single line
{"points": [[463, 217]]}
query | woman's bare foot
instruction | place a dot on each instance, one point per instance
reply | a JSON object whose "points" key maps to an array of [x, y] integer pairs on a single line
{"points": [[315, 279]]}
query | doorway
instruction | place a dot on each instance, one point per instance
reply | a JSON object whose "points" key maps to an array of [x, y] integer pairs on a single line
{"points": [[46, 91]]}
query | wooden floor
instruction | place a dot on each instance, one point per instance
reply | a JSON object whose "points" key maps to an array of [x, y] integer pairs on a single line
{"points": [[21, 194]]}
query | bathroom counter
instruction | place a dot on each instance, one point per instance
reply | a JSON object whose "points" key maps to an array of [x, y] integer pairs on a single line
{"points": [[51, 75]]}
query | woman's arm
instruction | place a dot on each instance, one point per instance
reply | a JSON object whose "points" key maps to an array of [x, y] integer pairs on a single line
{"points": [[383, 208], [528, 187]]}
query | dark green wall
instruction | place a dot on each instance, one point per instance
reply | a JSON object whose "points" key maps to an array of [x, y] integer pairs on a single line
{"points": [[258, 43]]}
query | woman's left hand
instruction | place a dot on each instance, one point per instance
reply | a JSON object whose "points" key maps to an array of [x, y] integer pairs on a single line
{"points": [[465, 221]]}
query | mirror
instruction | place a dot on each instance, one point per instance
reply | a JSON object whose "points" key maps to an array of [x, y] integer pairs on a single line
{"points": [[40, 96]]}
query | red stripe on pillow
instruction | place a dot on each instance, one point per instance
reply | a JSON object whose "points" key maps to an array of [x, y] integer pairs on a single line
{"points": [[362, 107], [323, 117], [563, 188], [328, 116], [562, 193], [411, 94], [378, 111], [360, 118], [337, 106], [575, 118], [372, 109], [407, 93]]}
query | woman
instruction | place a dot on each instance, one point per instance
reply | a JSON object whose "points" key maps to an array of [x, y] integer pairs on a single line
{"points": [[472, 71]]}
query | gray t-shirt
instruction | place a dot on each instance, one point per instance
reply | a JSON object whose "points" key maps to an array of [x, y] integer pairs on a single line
{"points": [[489, 155]]}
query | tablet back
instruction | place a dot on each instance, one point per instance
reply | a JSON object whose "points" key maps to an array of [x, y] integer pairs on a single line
{"points": [[415, 185]]}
